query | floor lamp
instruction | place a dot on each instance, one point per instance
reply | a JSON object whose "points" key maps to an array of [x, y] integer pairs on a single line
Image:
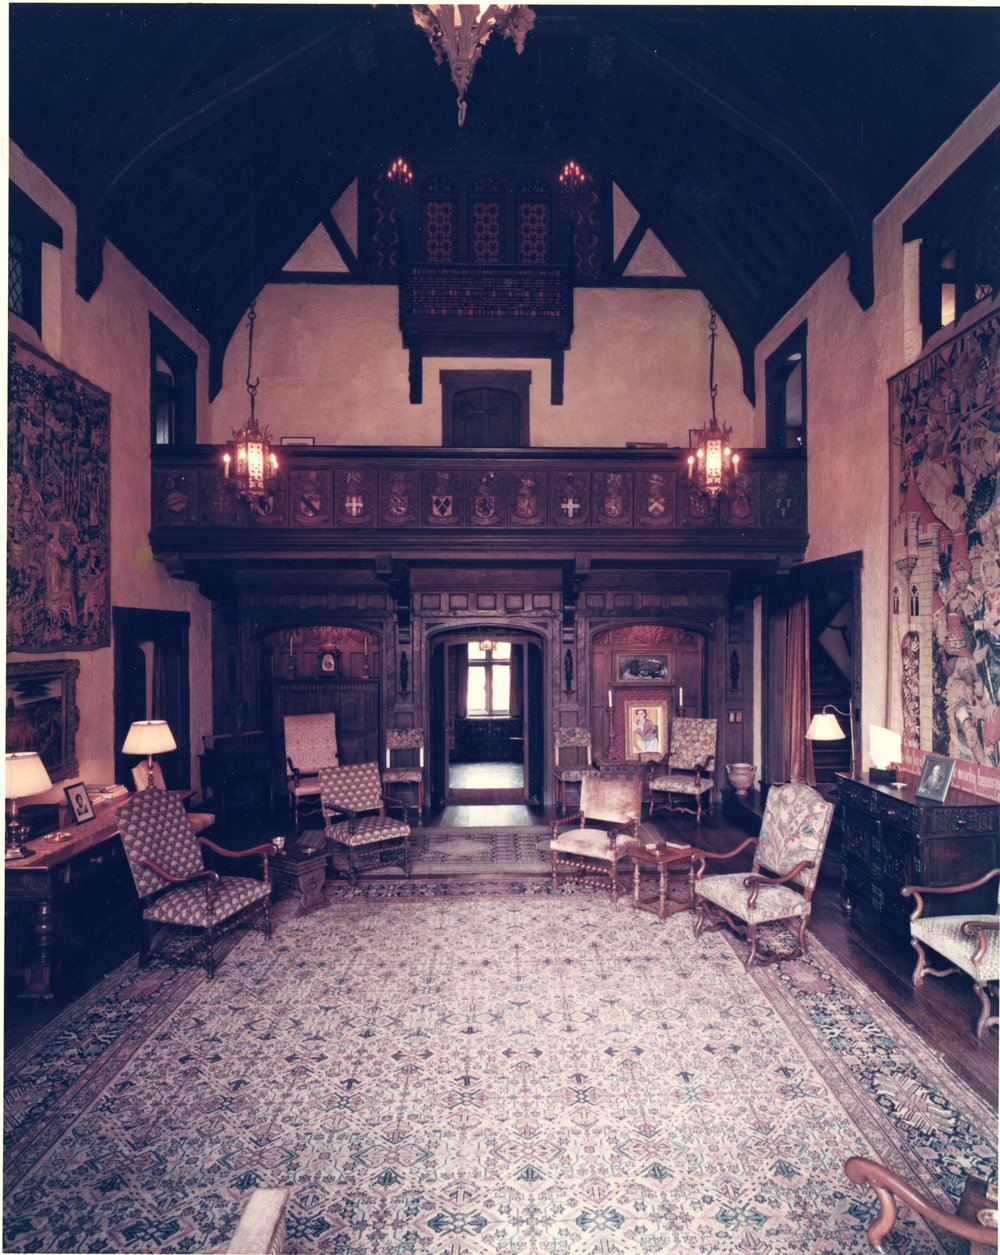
{"points": [[26, 776], [825, 727], [147, 737]]}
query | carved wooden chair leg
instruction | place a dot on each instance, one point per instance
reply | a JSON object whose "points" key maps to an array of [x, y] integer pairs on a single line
{"points": [[923, 968], [555, 878], [754, 956], [984, 1020]]}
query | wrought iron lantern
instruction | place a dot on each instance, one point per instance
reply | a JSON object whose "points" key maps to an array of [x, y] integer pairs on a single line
{"points": [[250, 462], [713, 465]]}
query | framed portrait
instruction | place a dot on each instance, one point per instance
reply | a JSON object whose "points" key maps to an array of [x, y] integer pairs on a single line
{"points": [[42, 714], [328, 662], [935, 777], [645, 729], [303, 440], [79, 802], [648, 668]]}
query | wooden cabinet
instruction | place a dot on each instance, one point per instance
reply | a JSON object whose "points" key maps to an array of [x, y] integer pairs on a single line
{"points": [[891, 838]]}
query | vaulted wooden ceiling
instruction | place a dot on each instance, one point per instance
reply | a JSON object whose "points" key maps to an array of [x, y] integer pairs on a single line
{"points": [[207, 140]]}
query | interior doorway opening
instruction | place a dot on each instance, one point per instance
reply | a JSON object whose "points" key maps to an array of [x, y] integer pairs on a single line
{"points": [[487, 715]]}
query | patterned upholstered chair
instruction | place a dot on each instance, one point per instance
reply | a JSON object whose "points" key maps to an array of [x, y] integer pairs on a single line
{"points": [[588, 847], [578, 740], [199, 820], [174, 886], [790, 847], [969, 942], [690, 764], [409, 741], [310, 743], [356, 823]]}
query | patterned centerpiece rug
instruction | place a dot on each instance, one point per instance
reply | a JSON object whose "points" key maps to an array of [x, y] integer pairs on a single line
{"points": [[441, 1067]]}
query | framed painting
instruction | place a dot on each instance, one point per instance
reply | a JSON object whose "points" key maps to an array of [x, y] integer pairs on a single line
{"points": [[647, 668], [646, 726], [42, 714]]}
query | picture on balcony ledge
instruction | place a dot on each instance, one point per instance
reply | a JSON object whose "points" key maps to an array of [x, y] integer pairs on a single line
{"points": [[304, 440]]}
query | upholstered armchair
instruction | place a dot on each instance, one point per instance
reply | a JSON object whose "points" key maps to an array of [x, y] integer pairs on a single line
{"points": [[175, 887], [780, 885], [357, 826], [890, 1190], [577, 740], [588, 847], [199, 820], [690, 764], [969, 942], [310, 743], [410, 742]]}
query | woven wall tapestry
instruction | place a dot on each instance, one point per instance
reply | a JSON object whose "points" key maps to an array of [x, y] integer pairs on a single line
{"points": [[944, 578], [58, 557]]}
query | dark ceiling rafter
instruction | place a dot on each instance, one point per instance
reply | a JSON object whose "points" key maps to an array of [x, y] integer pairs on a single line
{"points": [[235, 88]]}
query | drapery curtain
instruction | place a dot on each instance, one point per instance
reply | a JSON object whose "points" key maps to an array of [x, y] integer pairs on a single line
{"points": [[516, 680], [798, 752], [158, 696]]}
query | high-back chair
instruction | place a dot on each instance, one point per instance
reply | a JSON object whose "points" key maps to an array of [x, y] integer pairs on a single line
{"points": [[968, 941], [356, 823], [409, 742], [310, 743], [690, 764], [578, 741], [175, 887], [587, 847], [780, 884], [199, 820]]}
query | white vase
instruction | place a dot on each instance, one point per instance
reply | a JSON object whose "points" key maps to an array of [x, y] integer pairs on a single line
{"points": [[741, 777]]}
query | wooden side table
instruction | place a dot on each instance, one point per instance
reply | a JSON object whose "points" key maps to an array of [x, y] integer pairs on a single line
{"points": [[301, 869], [661, 858]]}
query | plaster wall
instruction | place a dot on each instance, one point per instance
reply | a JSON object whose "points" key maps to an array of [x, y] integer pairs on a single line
{"points": [[851, 354], [106, 340], [332, 365]]}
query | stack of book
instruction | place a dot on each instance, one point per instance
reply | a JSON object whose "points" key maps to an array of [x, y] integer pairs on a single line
{"points": [[105, 792]]}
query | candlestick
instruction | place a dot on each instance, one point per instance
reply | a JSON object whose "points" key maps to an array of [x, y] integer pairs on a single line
{"points": [[680, 696], [609, 699]]}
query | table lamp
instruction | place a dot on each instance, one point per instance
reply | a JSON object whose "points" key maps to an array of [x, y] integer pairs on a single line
{"points": [[147, 737], [824, 727], [26, 776], [886, 749]]}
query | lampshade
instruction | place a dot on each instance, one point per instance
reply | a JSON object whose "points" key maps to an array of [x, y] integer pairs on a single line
{"points": [[149, 736], [885, 746], [825, 727], [26, 775]]}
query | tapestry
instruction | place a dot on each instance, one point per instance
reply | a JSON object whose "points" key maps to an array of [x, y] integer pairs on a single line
{"points": [[944, 613], [519, 1071], [58, 557]]}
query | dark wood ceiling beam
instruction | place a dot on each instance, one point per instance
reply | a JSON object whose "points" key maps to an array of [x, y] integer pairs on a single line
{"points": [[842, 191], [190, 116]]}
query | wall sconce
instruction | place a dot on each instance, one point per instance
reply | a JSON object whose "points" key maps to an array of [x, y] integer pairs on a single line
{"points": [[824, 727], [26, 777], [147, 737]]}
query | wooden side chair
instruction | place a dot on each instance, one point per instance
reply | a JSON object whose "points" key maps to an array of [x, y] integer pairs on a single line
{"points": [[200, 820], [310, 743], [780, 884], [969, 942], [356, 823], [690, 764], [175, 887], [588, 847], [890, 1190], [578, 740], [410, 742]]}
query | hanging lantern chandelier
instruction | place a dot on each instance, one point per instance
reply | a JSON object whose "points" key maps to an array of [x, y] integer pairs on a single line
{"points": [[458, 32], [713, 464], [249, 462]]}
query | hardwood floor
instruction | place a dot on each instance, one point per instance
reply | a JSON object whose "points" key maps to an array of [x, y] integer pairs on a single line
{"points": [[943, 1012]]}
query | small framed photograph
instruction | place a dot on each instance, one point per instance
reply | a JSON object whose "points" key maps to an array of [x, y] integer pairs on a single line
{"points": [[305, 440], [79, 802], [645, 729], [634, 668], [935, 777], [328, 662]]}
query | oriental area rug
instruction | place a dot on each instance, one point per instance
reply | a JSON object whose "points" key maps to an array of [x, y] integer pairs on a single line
{"points": [[453, 1067]]}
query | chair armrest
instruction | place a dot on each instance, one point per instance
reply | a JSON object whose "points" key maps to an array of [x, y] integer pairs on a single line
{"points": [[267, 850], [917, 891], [754, 881], [578, 818], [703, 857], [293, 771], [978, 928], [887, 1184], [193, 879]]}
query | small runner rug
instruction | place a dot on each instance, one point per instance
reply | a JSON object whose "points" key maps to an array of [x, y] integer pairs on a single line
{"points": [[443, 1066]]}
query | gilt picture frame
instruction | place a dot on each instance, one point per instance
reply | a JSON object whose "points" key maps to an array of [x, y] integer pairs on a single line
{"points": [[646, 725], [42, 714], [651, 667]]}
